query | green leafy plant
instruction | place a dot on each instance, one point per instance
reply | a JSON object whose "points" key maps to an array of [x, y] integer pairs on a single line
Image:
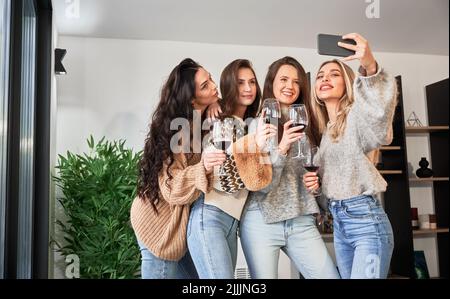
{"points": [[98, 189]]}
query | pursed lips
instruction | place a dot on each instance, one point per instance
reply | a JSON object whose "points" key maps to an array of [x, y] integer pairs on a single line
{"points": [[326, 86]]}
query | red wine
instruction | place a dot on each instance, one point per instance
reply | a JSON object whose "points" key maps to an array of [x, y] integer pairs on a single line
{"points": [[271, 120], [222, 144], [301, 125], [311, 168]]}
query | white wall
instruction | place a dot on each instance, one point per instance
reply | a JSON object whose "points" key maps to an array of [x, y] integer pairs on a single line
{"points": [[113, 85]]}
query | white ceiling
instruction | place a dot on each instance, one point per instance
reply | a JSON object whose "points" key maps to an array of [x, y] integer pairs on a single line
{"points": [[407, 26]]}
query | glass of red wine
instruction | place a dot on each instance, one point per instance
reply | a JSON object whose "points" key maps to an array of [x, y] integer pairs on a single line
{"points": [[222, 137], [271, 112], [299, 117], [311, 161]]}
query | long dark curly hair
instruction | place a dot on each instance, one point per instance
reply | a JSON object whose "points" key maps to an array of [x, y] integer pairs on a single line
{"points": [[176, 102]]}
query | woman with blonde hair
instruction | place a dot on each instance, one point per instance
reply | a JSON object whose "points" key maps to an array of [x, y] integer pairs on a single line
{"points": [[354, 116]]}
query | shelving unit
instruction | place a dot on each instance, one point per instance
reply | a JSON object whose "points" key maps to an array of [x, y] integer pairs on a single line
{"points": [[432, 179], [428, 129], [397, 196], [437, 106], [391, 172], [419, 232], [390, 148]]}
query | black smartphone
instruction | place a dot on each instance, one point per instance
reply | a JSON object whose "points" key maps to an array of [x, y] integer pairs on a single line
{"points": [[327, 44]]}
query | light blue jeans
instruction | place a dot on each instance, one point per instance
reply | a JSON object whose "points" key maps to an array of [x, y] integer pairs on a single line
{"points": [[363, 238], [299, 238], [212, 241], [152, 267]]}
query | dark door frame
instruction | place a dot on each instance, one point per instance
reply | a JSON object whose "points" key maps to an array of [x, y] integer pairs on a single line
{"points": [[41, 192]]}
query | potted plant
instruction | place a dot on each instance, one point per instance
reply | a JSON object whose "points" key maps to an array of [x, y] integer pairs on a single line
{"points": [[97, 191]]}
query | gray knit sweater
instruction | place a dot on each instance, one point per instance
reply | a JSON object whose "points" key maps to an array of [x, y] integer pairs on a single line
{"points": [[345, 169], [286, 197]]}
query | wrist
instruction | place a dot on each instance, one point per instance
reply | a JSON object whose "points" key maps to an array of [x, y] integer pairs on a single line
{"points": [[370, 69], [207, 170], [283, 150]]}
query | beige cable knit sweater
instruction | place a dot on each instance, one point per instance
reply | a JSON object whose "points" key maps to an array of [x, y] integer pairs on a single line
{"points": [[164, 233]]}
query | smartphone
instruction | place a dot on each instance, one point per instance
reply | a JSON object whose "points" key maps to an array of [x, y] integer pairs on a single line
{"points": [[327, 44]]}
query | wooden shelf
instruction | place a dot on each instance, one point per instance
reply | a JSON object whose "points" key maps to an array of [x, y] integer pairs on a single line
{"points": [[390, 148], [432, 179], [390, 171], [430, 231], [426, 129]]}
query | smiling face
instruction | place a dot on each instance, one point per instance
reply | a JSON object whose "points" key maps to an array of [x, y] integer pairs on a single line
{"points": [[330, 83], [286, 87], [247, 87], [206, 91]]}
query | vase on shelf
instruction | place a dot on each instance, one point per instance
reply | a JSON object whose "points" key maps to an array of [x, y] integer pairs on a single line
{"points": [[424, 171]]}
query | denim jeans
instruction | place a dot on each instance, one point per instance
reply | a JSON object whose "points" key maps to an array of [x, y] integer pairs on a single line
{"points": [[212, 241], [363, 238], [297, 237], [153, 267]]}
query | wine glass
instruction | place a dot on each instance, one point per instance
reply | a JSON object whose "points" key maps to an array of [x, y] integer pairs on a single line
{"points": [[222, 137], [299, 117], [311, 161], [272, 113]]}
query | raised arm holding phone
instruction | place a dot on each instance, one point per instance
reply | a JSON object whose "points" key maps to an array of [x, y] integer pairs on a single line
{"points": [[354, 117]]}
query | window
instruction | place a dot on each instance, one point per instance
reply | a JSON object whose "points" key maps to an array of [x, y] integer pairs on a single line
{"points": [[26, 150], [4, 71]]}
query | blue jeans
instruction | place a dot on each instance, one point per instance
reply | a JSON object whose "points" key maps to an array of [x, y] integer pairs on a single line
{"points": [[153, 267], [212, 241], [297, 237], [363, 238]]}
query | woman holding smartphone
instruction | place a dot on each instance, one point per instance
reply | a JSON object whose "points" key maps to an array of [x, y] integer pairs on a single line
{"points": [[282, 215], [355, 117], [214, 218], [171, 178]]}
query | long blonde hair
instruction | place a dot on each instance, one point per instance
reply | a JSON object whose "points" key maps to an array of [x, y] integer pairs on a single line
{"points": [[345, 103]]}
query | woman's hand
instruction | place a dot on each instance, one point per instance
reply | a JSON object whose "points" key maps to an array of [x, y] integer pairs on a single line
{"points": [[213, 111], [290, 135], [264, 132], [362, 52], [211, 159], [311, 181]]}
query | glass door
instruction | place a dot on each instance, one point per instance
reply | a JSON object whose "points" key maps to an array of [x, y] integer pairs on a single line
{"points": [[26, 147], [5, 13]]}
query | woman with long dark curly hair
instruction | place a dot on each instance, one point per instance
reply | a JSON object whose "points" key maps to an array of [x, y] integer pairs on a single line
{"points": [[173, 173]]}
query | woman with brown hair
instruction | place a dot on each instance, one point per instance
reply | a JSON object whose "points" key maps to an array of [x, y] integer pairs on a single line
{"points": [[282, 216], [355, 117], [172, 175], [214, 218]]}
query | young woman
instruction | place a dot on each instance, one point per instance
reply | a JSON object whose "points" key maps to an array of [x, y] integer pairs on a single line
{"points": [[282, 216], [355, 117], [170, 182], [213, 222]]}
